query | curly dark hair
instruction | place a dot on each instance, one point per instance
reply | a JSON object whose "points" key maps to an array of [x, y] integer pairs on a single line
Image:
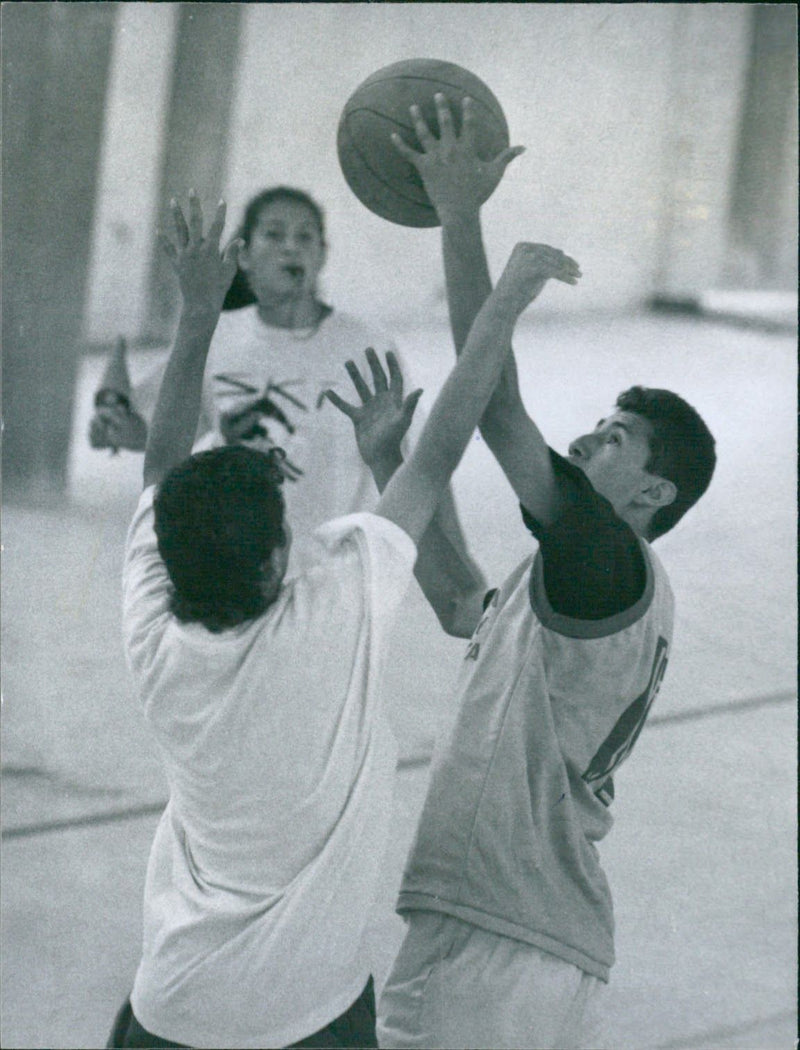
{"points": [[218, 517], [240, 293], [681, 449]]}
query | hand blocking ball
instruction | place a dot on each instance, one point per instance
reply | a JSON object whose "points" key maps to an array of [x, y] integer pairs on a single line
{"points": [[375, 171]]}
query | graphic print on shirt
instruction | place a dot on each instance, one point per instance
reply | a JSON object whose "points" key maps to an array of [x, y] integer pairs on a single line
{"points": [[474, 648], [273, 404], [619, 742]]}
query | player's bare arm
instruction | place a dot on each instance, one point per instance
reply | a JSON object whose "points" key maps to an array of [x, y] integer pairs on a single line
{"points": [[448, 580], [411, 495], [458, 182], [204, 275]]}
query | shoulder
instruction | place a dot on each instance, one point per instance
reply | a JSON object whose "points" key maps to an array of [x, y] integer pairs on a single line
{"points": [[374, 548], [367, 530], [591, 564]]}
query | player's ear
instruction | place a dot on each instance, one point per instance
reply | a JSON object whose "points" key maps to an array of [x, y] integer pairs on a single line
{"points": [[659, 492]]}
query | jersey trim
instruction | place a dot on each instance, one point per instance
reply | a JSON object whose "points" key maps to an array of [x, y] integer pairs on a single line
{"points": [[414, 901], [572, 628]]}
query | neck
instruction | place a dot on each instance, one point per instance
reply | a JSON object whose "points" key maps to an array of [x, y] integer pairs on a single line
{"points": [[638, 518], [302, 312]]}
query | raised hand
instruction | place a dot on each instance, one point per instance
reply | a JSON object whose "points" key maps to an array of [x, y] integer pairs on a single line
{"points": [[454, 176], [384, 416], [204, 273], [528, 270]]}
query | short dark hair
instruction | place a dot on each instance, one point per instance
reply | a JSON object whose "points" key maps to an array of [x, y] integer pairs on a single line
{"points": [[681, 449], [240, 293], [218, 517]]}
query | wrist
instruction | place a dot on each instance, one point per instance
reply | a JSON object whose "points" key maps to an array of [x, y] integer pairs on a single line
{"points": [[386, 459], [383, 466], [200, 313], [458, 216]]}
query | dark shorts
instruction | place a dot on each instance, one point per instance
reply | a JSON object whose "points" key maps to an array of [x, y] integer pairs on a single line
{"points": [[355, 1028]]}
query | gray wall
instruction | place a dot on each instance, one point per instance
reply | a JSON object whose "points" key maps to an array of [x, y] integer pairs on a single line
{"points": [[630, 113]]}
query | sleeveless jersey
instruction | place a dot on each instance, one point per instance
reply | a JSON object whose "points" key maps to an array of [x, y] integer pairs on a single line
{"points": [[549, 707]]}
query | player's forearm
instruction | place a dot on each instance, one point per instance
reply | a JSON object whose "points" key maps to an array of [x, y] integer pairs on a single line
{"points": [[174, 422], [445, 573], [469, 284], [467, 391], [466, 271]]}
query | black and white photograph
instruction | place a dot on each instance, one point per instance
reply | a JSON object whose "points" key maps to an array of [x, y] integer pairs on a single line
{"points": [[399, 525]]}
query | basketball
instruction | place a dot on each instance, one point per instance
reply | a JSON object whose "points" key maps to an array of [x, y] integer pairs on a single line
{"points": [[381, 178]]}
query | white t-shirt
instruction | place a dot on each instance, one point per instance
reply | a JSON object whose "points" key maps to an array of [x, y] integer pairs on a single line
{"points": [[298, 366], [280, 762]]}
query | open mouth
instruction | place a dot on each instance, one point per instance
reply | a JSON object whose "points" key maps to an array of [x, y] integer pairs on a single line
{"points": [[295, 271]]}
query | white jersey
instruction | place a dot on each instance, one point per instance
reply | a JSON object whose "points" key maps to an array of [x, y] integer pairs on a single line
{"points": [[280, 761], [293, 368]]}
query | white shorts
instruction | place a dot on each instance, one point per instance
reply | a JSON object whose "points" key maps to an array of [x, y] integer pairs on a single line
{"points": [[455, 985]]}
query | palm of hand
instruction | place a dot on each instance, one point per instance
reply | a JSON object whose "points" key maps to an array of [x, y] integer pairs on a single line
{"points": [[380, 424]]}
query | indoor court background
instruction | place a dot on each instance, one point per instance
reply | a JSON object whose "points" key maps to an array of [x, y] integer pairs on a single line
{"points": [[702, 859]]}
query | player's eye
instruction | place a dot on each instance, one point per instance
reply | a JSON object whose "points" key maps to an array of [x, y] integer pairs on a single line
{"points": [[614, 439]]}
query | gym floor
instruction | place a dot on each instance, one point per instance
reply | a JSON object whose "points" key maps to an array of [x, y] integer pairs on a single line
{"points": [[702, 860]]}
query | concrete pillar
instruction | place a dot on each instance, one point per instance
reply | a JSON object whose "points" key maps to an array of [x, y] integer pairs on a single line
{"points": [[196, 140], [763, 210], [55, 63], [129, 183], [709, 63]]}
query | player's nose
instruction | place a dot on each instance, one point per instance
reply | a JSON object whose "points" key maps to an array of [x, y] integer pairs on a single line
{"points": [[580, 448]]}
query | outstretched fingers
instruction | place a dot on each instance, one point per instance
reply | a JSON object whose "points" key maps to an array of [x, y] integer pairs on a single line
{"points": [[195, 218], [378, 374], [362, 389], [349, 410], [395, 375], [217, 224], [181, 227], [230, 255], [404, 149], [447, 132], [502, 160], [409, 407], [426, 137]]}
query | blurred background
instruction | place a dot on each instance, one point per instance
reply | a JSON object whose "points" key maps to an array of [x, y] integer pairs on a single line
{"points": [[662, 154]]}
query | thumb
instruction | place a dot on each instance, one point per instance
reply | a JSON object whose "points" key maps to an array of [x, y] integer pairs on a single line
{"points": [[231, 254], [409, 407], [505, 158]]}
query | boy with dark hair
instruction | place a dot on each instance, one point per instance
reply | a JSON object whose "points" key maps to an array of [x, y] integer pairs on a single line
{"points": [[510, 926], [263, 692]]}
